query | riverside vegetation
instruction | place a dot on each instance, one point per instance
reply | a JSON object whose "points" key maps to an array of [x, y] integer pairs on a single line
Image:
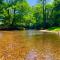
{"points": [[18, 14]]}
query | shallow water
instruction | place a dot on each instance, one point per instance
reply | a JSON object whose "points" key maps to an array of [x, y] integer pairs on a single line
{"points": [[29, 45]]}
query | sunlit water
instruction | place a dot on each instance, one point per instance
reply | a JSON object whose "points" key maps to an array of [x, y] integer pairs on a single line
{"points": [[29, 45]]}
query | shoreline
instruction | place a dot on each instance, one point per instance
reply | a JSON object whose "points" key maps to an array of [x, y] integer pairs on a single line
{"points": [[52, 31], [46, 30], [49, 31], [42, 31]]}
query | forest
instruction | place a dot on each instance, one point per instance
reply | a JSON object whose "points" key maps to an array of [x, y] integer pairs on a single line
{"points": [[19, 15]]}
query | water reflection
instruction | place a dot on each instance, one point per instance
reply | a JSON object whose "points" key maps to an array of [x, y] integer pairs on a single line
{"points": [[29, 45]]}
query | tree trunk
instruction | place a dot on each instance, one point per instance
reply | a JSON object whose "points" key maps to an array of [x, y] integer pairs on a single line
{"points": [[13, 21], [44, 14]]}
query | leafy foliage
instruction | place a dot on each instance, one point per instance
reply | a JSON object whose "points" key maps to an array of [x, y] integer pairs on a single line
{"points": [[18, 14]]}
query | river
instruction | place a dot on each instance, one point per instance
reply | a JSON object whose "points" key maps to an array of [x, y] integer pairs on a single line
{"points": [[29, 45]]}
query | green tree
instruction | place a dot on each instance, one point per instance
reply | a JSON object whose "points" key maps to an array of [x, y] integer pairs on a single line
{"points": [[49, 15], [1, 8], [57, 12], [38, 14], [11, 10], [44, 12], [22, 10]]}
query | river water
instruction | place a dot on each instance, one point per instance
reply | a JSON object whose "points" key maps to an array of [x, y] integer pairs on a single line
{"points": [[29, 45]]}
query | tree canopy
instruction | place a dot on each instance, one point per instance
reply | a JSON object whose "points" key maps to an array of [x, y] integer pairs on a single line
{"points": [[18, 14]]}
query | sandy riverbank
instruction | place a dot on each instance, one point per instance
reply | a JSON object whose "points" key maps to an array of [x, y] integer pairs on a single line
{"points": [[57, 32]]}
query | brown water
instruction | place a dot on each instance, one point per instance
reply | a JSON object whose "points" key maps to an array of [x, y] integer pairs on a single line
{"points": [[29, 45]]}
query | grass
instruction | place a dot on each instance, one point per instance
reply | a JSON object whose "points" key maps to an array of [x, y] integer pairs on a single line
{"points": [[54, 29]]}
